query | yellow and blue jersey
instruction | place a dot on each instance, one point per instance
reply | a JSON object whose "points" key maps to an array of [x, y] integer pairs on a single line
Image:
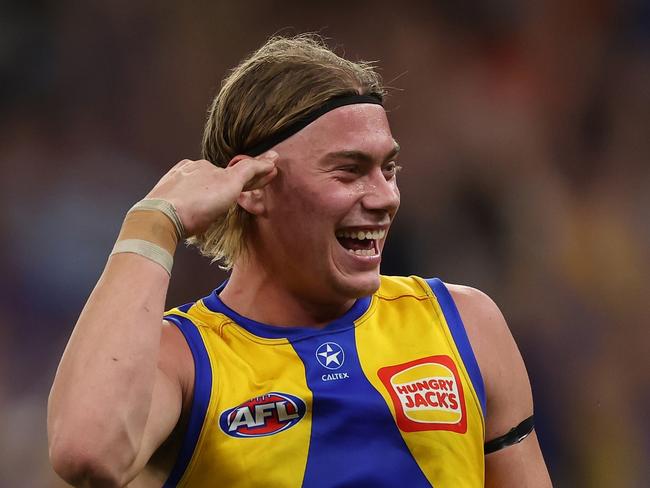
{"points": [[390, 394]]}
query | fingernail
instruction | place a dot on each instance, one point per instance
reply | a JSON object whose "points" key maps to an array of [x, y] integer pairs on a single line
{"points": [[271, 155]]}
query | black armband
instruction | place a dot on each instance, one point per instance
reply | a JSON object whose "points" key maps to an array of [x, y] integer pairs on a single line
{"points": [[514, 436]]}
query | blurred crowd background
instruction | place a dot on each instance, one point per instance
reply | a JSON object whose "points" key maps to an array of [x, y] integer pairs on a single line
{"points": [[525, 129]]}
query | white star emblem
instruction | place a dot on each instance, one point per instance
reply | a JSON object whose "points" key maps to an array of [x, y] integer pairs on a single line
{"points": [[329, 357], [329, 353]]}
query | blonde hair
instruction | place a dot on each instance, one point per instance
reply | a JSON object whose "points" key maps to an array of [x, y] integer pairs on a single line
{"points": [[272, 88]]}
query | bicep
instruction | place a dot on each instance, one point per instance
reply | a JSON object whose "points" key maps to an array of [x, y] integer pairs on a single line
{"points": [[519, 465], [508, 392], [509, 403]]}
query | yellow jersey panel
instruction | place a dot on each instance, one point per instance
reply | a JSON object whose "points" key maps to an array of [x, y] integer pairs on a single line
{"points": [[422, 377], [387, 395]]}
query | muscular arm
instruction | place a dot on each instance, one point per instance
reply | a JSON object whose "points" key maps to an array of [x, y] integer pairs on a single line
{"points": [[101, 406], [124, 376], [509, 398]]}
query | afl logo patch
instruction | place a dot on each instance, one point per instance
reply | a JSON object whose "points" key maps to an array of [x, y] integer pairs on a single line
{"points": [[262, 416], [427, 394]]}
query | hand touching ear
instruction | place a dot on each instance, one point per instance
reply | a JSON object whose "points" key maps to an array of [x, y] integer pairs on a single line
{"points": [[201, 192]]}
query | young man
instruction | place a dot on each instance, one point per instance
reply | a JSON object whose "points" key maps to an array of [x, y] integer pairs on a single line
{"points": [[307, 368]]}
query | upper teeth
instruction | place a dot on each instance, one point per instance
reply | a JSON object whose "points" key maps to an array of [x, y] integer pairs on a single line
{"points": [[361, 234]]}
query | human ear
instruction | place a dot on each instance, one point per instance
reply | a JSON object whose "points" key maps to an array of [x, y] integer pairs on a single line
{"points": [[251, 200]]}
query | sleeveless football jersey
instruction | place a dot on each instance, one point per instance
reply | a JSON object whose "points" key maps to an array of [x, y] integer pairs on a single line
{"points": [[388, 395]]}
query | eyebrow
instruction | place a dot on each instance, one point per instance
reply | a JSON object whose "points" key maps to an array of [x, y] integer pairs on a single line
{"points": [[362, 156]]}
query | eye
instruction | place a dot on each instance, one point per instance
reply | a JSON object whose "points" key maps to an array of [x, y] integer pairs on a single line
{"points": [[350, 168], [391, 169]]}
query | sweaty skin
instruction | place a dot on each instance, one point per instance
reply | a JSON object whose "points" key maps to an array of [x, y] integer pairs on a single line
{"points": [[119, 402]]}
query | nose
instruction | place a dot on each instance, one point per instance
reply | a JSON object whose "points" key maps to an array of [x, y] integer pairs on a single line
{"points": [[381, 194]]}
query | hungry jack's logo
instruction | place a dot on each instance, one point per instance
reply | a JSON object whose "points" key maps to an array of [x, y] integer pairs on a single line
{"points": [[427, 394]]}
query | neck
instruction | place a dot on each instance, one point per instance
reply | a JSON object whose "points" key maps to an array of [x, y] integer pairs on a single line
{"points": [[255, 293]]}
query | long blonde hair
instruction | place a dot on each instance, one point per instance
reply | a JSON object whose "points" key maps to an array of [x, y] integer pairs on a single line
{"points": [[269, 90]]}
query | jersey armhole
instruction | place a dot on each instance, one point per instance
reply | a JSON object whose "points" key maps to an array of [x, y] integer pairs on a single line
{"points": [[200, 398], [459, 334]]}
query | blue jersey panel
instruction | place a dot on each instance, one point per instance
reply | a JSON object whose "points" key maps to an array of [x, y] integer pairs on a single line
{"points": [[354, 440], [459, 334], [202, 392]]}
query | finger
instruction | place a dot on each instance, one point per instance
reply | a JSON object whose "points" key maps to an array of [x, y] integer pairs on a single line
{"points": [[268, 155], [181, 165], [261, 180], [248, 169], [188, 166]]}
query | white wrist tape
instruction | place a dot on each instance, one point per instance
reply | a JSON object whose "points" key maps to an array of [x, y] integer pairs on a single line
{"points": [[165, 207], [146, 249], [151, 229]]}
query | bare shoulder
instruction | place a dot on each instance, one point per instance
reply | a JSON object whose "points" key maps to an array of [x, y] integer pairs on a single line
{"points": [[171, 404], [176, 365], [508, 392], [509, 398], [175, 359]]}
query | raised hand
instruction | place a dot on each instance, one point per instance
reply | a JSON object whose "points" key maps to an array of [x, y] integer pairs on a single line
{"points": [[201, 191]]}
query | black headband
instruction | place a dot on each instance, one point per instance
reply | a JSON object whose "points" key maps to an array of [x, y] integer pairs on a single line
{"points": [[308, 118]]}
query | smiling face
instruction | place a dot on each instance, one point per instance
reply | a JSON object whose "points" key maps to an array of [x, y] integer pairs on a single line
{"points": [[328, 211]]}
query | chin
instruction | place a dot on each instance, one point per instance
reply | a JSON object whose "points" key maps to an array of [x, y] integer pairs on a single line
{"points": [[359, 286]]}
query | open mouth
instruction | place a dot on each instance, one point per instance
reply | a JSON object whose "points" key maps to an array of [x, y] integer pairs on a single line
{"points": [[360, 242]]}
